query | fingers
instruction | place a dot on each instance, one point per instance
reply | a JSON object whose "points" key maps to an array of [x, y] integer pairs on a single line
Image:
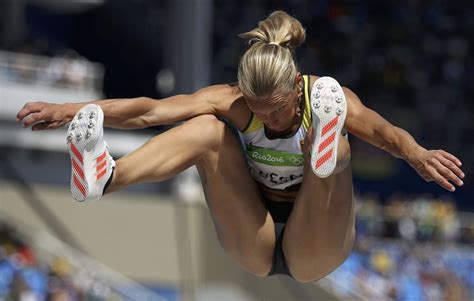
{"points": [[28, 108], [444, 169], [31, 113], [441, 167], [47, 125], [41, 116], [451, 166], [35, 118], [450, 157], [439, 179], [446, 173]]}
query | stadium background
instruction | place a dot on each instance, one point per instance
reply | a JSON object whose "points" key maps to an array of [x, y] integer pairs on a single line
{"points": [[411, 61]]}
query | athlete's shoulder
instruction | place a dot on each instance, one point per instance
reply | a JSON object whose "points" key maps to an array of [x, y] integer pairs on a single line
{"points": [[228, 102], [312, 79], [214, 91], [219, 93]]}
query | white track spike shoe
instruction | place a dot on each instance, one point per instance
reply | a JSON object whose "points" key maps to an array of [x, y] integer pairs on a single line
{"points": [[91, 163], [328, 106]]}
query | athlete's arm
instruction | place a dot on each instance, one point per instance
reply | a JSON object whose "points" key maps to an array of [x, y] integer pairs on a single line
{"points": [[432, 165], [131, 113]]}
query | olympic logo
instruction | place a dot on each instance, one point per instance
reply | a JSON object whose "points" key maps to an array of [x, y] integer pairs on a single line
{"points": [[267, 157], [296, 160]]}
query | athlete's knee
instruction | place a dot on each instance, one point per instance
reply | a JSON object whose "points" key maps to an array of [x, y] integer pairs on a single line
{"points": [[207, 129], [255, 257], [321, 264], [258, 265], [318, 267]]}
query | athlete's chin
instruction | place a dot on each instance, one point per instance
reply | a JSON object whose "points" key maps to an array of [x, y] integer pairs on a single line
{"points": [[277, 128]]}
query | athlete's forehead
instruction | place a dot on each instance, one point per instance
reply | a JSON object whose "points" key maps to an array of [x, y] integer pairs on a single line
{"points": [[267, 103]]}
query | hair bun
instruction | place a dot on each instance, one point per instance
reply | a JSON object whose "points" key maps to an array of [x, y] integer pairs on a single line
{"points": [[278, 29]]}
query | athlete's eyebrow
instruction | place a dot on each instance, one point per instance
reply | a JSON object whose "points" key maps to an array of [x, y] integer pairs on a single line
{"points": [[267, 103]]}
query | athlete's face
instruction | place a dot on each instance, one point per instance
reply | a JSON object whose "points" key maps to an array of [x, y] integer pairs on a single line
{"points": [[278, 111]]}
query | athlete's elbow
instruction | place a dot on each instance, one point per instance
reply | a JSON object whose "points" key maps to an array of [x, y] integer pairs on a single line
{"points": [[141, 122], [385, 138]]}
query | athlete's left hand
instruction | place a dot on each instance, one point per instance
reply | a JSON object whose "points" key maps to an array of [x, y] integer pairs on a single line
{"points": [[438, 166]]}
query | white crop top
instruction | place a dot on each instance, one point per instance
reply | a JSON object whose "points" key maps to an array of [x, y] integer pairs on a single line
{"points": [[277, 163]]}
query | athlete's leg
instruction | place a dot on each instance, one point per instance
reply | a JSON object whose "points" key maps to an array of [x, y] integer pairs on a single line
{"points": [[243, 224], [320, 230]]}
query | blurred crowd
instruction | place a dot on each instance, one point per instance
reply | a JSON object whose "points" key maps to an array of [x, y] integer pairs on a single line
{"points": [[66, 70], [24, 276], [414, 219], [411, 61], [412, 248], [387, 270]]}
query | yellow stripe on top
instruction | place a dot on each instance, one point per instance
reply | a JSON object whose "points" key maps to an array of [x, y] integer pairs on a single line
{"points": [[254, 125], [307, 108]]}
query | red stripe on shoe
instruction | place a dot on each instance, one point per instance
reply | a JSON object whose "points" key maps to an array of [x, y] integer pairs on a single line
{"points": [[324, 158], [100, 166], [329, 126], [326, 142], [79, 185], [102, 173], [77, 168], [76, 153], [101, 157]]}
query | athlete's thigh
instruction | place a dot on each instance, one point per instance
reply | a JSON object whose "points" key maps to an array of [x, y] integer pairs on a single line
{"points": [[243, 224], [244, 227], [320, 230]]}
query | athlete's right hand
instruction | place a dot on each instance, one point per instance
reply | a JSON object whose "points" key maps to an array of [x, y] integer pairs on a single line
{"points": [[43, 116]]}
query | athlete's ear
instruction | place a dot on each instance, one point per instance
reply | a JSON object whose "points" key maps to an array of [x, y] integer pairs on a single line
{"points": [[298, 79]]}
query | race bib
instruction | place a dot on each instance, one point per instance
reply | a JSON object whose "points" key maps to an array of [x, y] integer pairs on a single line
{"points": [[275, 169]]}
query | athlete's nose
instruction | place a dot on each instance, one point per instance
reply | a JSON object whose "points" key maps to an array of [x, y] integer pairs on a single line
{"points": [[262, 117], [272, 122]]}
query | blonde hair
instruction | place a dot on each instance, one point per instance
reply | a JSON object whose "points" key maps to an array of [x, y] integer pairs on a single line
{"points": [[268, 65]]}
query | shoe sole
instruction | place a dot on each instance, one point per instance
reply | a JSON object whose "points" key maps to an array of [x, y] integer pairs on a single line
{"points": [[82, 135], [328, 106]]}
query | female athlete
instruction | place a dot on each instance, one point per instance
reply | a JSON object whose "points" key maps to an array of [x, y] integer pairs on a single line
{"points": [[280, 195]]}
